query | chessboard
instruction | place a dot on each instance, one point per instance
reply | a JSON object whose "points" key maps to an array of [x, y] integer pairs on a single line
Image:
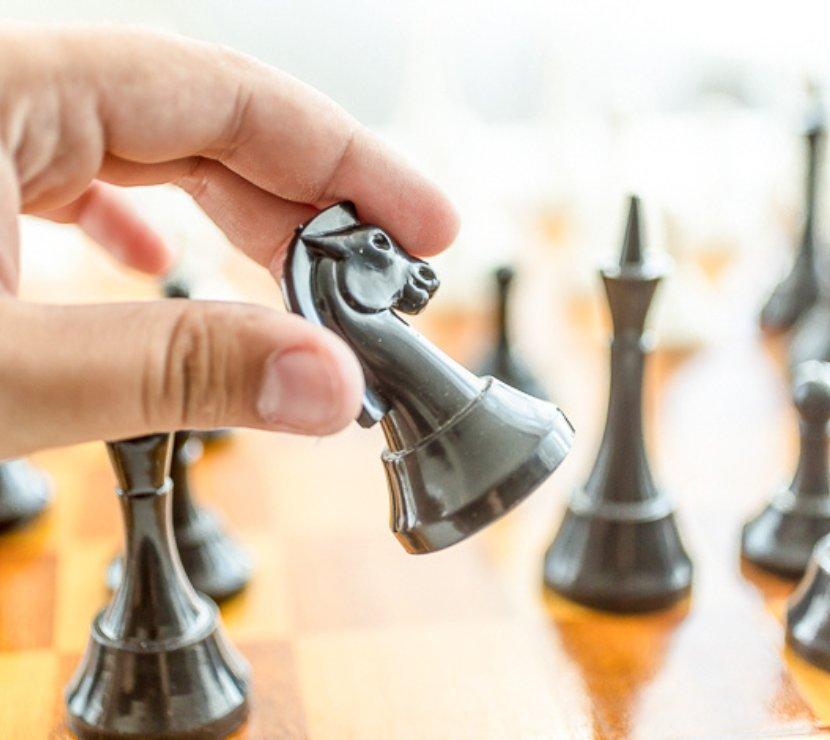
{"points": [[350, 637]]}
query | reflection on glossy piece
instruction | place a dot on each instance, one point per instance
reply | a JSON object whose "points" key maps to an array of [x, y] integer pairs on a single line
{"points": [[24, 493], [808, 613], [462, 450], [157, 664], [782, 537], [618, 547]]}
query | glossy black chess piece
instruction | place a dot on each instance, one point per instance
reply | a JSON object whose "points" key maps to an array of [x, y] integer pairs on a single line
{"points": [[808, 610], [462, 450], [782, 537], [215, 563], [157, 664], [503, 362], [811, 337], [799, 290], [24, 493], [618, 547]]}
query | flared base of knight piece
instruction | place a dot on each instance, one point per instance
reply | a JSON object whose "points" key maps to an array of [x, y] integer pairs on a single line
{"points": [[24, 493], [519, 440], [621, 557], [192, 687], [782, 537], [808, 613], [215, 563]]}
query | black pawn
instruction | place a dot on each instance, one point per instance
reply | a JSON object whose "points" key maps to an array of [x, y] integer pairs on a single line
{"points": [[782, 537], [24, 493], [158, 663], [502, 362], [799, 290], [808, 611], [215, 564], [618, 547]]}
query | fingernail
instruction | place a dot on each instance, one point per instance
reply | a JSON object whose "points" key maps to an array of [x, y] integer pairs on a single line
{"points": [[298, 390]]}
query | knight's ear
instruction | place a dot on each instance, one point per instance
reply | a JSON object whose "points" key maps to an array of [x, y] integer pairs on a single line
{"points": [[326, 246]]}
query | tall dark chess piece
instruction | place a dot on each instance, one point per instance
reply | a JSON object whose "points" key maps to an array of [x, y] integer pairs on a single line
{"points": [[618, 547], [782, 537], [157, 664], [502, 362], [215, 564], [462, 450], [24, 493], [797, 292], [808, 611], [811, 337]]}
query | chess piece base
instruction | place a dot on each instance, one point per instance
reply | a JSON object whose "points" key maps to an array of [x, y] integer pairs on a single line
{"points": [[194, 687], [618, 564], [782, 537], [792, 297], [808, 613], [215, 564], [24, 493]]}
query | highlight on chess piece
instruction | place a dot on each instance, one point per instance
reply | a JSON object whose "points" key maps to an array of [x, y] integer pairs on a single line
{"points": [[618, 547], [158, 663], [782, 537], [215, 563], [502, 362], [808, 610], [24, 493], [462, 450], [799, 290]]}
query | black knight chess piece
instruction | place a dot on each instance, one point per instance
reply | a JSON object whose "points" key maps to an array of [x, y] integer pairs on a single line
{"points": [[462, 450], [782, 537], [157, 664], [503, 362], [215, 563], [24, 493], [808, 610], [618, 547], [799, 290]]}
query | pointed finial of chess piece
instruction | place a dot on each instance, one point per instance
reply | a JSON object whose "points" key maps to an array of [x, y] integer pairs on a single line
{"points": [[502, 362], [808, 610], [618, 547], [158, 663], [461, 450], [24, 493], [782, 537], [799, 290]]}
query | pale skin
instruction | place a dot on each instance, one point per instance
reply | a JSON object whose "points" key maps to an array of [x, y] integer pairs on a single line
{"points": [[83, 109]]}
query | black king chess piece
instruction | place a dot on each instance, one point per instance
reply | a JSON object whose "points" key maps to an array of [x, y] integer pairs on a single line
{"points": [[24, 493], [799, 290], [618, 547], [462, 450], [808, 610], [782, 537], [157, 664], [502, 362], [215, 563]]}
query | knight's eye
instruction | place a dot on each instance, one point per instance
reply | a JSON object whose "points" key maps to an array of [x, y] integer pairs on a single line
{"points": [[380, 240]]}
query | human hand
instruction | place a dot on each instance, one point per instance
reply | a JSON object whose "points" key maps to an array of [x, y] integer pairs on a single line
{"points": [[260, 152]]}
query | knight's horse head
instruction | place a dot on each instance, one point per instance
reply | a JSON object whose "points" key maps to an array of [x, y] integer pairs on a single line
{"points": [[373, 272]]}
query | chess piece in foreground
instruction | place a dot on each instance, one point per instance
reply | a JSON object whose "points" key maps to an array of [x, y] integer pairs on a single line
{"points": [[158, 663], [782, 537], [24, 493], [811, 337], [462, 450], [618, 547], [799, 290], [215, 563], [808, 610], [502, 362]]}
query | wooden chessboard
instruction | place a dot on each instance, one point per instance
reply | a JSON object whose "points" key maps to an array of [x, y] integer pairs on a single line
{"points": [[349, 637]]}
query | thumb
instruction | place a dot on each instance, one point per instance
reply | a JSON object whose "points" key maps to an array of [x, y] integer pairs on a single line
{"points": [[76, 373]]}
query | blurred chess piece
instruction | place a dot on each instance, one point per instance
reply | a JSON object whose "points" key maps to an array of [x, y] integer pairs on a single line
{"points": [[782, 537], [215, 563], [157, 663], [618, 547], [808, 611], [799, 290], [24, 493], [503, 362], [811, 338]]}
